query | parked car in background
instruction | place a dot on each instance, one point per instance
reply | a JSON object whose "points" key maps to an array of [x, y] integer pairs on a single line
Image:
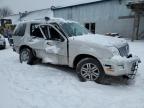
{"points": [[68, 43], [2, 42]]}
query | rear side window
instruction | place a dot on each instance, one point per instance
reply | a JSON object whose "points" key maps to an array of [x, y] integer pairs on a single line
{"points": [[35, 31], [20, 30]]}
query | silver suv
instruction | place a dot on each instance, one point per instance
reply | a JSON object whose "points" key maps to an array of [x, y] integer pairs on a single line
{"points": [[61, 42]]}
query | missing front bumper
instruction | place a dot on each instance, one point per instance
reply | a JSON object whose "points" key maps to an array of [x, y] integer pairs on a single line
{"points": [[118, 66]]}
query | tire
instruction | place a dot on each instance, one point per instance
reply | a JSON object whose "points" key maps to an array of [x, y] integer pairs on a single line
{"points": [[26, 55], [90, 69]]}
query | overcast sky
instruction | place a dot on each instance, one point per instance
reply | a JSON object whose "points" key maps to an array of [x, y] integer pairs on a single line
{"points": [[25, 5], [29, 5]]}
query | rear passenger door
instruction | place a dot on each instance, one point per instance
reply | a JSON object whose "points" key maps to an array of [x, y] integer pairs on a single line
{"points": [[37, 39]]}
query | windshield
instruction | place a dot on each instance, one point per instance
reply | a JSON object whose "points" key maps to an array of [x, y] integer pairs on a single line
{"points": [[74, 29]]}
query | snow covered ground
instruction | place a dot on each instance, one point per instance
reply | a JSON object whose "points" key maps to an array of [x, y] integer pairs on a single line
{"points": [[48, 86]]}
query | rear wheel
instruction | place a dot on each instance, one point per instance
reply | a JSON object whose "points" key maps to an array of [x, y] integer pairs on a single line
{"points": [[26, 55], [90, 69]]}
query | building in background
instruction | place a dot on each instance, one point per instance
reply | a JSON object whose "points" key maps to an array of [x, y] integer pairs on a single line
{"points": [[101, 16]]}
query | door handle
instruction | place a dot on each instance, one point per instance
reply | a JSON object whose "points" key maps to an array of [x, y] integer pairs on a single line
{"points": [[48, 43]]}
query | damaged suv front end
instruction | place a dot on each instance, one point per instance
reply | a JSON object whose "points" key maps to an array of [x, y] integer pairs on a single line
{"points": [[122, 62]]}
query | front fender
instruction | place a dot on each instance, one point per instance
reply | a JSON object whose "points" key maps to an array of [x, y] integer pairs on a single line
{"points": [[99, 52]]}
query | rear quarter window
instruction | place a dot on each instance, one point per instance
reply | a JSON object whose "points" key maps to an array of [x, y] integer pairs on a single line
{"points": [[20, 30]]}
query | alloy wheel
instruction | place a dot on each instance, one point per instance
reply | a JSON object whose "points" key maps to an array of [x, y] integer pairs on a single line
{"points": [[90, 71]]}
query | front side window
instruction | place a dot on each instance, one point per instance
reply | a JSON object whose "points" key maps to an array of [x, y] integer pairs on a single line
{"points": [[58, 27], [44, 29], [54, 35], [35, 31], [74, 29]]}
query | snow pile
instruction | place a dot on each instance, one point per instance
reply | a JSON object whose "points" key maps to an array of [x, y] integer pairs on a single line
{"points": [[49, 86]]}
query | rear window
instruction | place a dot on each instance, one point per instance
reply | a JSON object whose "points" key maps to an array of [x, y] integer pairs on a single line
{"points": [[20, 30]]}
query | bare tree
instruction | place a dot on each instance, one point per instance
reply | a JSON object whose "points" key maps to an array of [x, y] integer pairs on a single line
{"points": [[5, 12]]}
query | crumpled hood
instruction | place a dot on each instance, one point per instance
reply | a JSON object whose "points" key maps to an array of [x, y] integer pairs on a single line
{"points": [[101, 40]]}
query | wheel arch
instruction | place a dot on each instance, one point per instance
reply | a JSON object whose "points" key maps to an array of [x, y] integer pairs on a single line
{"points": [[26, 46], [82, 56]]}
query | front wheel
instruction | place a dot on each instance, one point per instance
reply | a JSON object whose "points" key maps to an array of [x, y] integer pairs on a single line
{"points": [[90, 69], [26, 56]]}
